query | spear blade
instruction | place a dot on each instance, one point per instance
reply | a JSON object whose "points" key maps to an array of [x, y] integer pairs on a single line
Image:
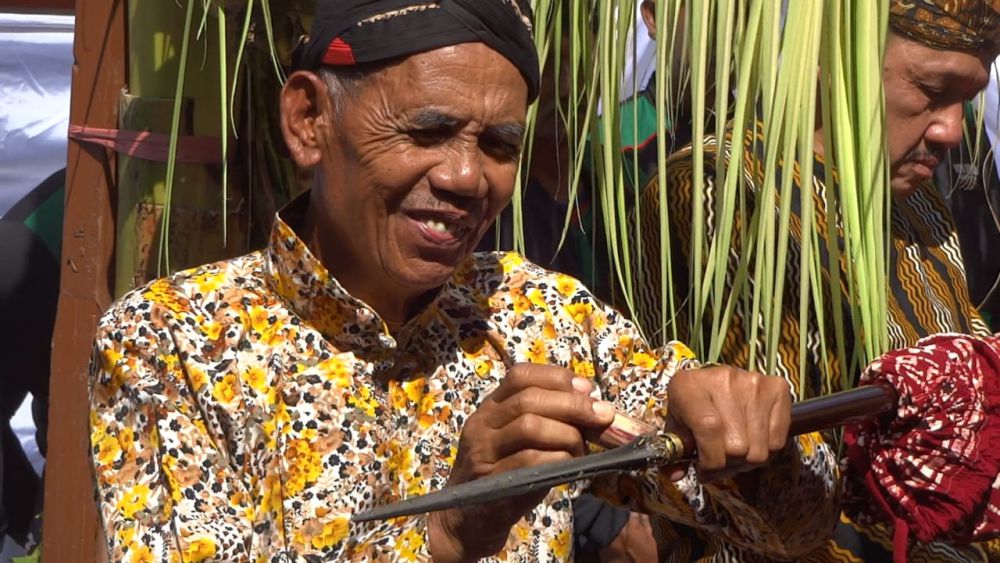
{"points": [[642, 452]]}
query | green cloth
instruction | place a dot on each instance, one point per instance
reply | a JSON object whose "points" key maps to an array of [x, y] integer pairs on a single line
{"points": [[46, 221], [640, 127]]}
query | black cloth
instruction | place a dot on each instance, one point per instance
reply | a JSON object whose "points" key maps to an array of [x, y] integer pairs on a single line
{"points": [[971, 188], [583, 254], [595, 525], [27, 299], [29, 292], [350, 32], [542, 220]]}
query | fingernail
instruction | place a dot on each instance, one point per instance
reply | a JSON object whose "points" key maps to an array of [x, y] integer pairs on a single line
{"points": [[603, 410], [677, 475], [582, 385]]}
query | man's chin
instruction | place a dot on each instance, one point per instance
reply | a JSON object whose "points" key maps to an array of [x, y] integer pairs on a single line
{"points": [[904, 187], [424, 275]]}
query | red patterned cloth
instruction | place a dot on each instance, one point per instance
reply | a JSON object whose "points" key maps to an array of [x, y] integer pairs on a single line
{"points": [[933, 468]]}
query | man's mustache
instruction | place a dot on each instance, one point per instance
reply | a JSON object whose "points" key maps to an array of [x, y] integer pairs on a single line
{"points": [[472, 209], [921, 154]]}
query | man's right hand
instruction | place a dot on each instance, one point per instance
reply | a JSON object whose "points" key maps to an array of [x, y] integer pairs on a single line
{"points": [[534, 417]]}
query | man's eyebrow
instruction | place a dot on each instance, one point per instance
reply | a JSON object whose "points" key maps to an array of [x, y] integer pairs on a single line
{"points": [[433, 119], [512, 132], [946, 76]]}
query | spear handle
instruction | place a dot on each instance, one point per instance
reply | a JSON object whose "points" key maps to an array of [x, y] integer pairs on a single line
{"points": [[813, 415]]}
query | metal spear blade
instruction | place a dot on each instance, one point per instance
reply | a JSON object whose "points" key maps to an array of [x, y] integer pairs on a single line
{"points": [[646, 451], [642, 452]]}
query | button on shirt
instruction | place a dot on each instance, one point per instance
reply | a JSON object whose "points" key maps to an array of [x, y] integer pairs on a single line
{"points": [[244, 410]]}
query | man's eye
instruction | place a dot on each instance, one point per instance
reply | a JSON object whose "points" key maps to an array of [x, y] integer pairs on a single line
{"points": [[429, 136], [501, 149], [932, 91]]}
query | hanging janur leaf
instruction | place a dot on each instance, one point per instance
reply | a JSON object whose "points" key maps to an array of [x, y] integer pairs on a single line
{"points": [[251, 42], [175, 214], [732, 71], [725, 69]]}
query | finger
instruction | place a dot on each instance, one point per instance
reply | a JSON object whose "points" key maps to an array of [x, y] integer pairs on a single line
{"points": [[675, 472], [570, 407], [642, 522], [554, 378], [717, 437], [709, 432], [780, 417], [758, 426], [746, 401], [534, 432], [693, 417], [737, 437]]}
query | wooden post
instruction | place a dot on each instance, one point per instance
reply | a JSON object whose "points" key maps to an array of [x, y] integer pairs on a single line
{"points": [[71, 522]]}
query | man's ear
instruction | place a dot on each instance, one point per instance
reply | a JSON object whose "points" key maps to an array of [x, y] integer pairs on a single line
{"points": [[648, 9], [306, 110]]}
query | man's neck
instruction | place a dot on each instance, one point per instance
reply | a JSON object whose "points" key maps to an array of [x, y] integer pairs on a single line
{"points": [[396, 312], [396, 305]]}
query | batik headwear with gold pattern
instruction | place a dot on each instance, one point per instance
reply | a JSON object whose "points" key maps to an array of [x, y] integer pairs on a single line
{"points": [[964, 25], [354, 32]]}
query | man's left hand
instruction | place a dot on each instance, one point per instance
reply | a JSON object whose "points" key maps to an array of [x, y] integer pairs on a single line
{"points": [[735, 418]]}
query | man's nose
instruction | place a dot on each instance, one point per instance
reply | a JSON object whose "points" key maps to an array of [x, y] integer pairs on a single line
{"points": [[946, 129], [460, 172]]}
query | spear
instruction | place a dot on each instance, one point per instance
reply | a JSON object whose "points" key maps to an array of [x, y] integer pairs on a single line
{"points": [[634, 446]]}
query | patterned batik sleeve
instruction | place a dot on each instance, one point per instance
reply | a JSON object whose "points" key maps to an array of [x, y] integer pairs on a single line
{"points": [[166, 491], [795, 503]]}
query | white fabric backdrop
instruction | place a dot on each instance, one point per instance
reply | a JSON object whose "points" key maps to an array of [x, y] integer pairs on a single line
{"points": [[35, 73], [36, 62]]}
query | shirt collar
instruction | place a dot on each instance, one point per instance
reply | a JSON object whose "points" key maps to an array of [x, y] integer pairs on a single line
{"points": [[296, 275], [302, 281]]}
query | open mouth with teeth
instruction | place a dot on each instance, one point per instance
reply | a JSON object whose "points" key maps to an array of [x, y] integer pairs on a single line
{"points": [[442, 232], [442, 227]]}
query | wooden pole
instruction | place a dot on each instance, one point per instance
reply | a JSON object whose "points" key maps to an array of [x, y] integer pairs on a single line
{"points": [[71, 522]]}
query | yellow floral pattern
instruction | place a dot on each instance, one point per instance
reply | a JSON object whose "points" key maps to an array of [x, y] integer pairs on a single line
{"points": [[242, 411]]}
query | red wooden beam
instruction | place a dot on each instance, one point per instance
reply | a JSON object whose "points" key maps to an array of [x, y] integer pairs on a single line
{"points": [[71, 524]]}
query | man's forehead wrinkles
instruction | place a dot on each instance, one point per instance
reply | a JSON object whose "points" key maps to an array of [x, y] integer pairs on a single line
{"points": [[948, 69]]}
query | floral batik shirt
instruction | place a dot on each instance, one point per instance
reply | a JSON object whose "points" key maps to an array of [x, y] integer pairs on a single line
{"points": [[244, 410]]}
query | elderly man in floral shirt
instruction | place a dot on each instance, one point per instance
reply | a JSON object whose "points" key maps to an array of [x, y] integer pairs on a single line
{"points": [[245, 410]]}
